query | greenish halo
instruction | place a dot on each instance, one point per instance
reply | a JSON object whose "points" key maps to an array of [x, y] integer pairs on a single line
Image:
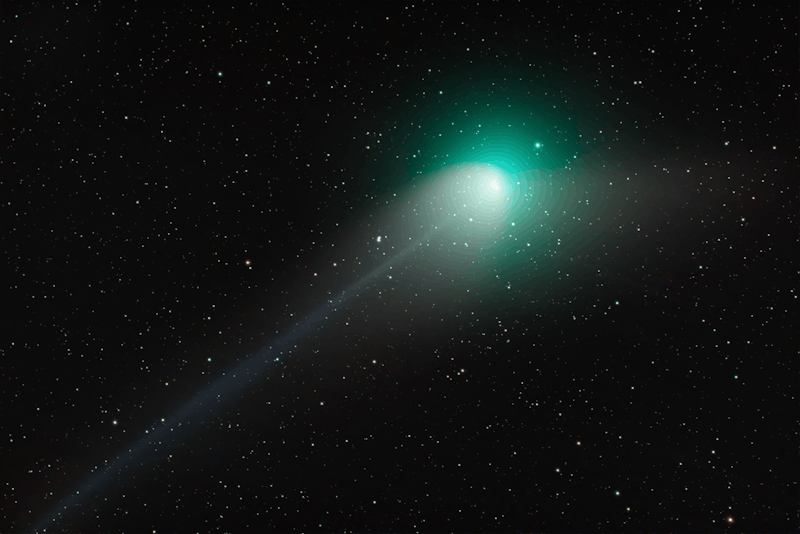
{"points": [[500, 194], [476, 117]]}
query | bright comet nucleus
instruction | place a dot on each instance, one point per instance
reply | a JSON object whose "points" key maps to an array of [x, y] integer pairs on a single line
{"points": [[471, 204], [486, 188]]}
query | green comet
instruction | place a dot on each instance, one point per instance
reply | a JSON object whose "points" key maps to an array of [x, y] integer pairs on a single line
{"points": [[499, 191], [489, 230]]}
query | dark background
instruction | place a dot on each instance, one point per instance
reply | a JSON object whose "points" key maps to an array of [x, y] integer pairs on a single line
{"points": [[174, 175]]}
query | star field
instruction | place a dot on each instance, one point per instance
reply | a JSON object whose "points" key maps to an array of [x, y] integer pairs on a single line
{"points": [[399, 267]]}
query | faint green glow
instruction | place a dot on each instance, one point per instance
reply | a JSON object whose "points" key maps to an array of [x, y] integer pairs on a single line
{"points": [[481, 118]]}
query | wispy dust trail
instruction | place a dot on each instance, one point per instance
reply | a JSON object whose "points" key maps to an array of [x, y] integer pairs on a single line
{"points": [[208, 401]]}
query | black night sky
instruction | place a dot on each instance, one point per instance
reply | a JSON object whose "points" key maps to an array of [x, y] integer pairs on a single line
{"points": [[187, 190]]}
